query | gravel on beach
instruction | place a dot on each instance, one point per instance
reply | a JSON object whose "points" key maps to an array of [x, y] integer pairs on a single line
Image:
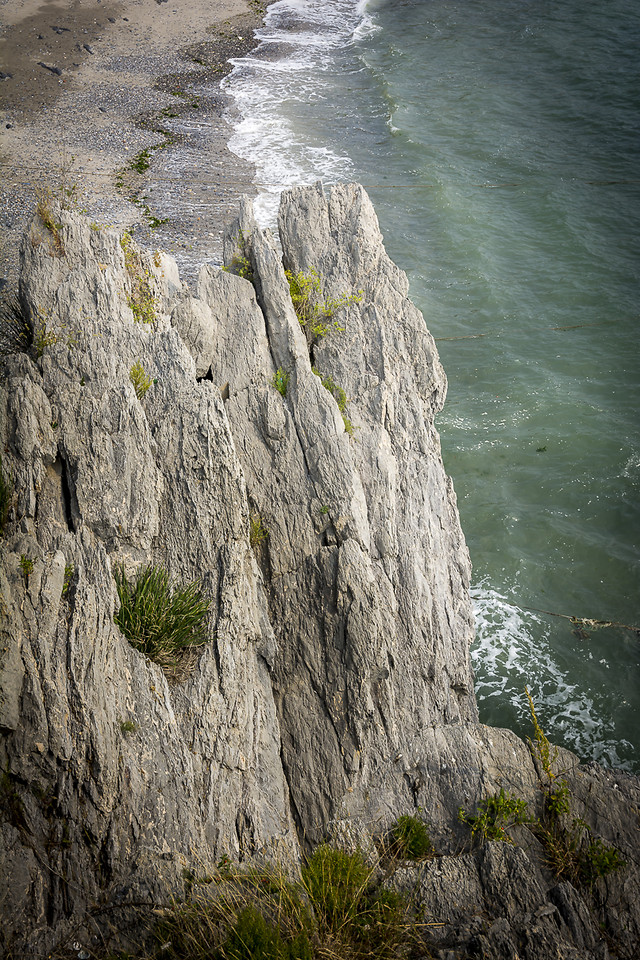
{"points": [[132, 118]]}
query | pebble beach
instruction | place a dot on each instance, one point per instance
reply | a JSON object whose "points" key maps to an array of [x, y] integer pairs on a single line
{"points": [[119, 106]]}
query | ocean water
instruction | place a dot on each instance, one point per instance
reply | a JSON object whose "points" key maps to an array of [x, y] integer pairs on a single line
{"points": [[500, 144]]}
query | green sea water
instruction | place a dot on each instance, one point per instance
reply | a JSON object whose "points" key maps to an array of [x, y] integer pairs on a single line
{"points": [[500, 144]]}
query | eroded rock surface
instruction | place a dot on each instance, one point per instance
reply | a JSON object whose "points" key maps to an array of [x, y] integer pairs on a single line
{"points": [[336, 691], [116, 784]]}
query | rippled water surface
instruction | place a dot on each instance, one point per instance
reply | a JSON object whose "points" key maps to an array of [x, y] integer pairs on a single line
{"points": [[500, 143]]}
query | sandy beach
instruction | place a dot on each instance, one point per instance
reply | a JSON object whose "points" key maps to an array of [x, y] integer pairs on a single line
{"points": [[119, 101]]}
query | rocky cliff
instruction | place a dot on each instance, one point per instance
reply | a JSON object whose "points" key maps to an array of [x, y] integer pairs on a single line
{"points": [[298, 478]]}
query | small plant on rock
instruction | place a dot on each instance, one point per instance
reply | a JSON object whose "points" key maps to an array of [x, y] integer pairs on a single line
{"points": [[280, 381], [45, 209], [540, 746], [69, 571], [315, 314], [45, 336], [410, 838], [141, 162], [240, 263], [141, 382], [338, 395], [257, 530], [572, 850], [556, 802], [599, 860], [495, 815], [160, 619], [141, 301], [26, 566]]}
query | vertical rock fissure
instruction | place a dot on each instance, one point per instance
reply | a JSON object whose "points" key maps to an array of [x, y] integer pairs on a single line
{"points": [[66, 487]]}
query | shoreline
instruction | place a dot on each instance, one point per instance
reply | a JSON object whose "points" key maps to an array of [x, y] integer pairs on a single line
{"points": [[133, 121]]}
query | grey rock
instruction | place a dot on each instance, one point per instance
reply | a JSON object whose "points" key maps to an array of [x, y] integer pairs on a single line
{"points": [[336, 691], [363, 531], [102, 477]]}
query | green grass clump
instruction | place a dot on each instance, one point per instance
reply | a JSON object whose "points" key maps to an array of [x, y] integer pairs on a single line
{"points": [[410, 838], [161, 620], [6, 497], [258, 532], [358, 916], [336, 882], [280, 381], [340, 910], [141, 382], [141, 162], [252, 937], [257, 914]]}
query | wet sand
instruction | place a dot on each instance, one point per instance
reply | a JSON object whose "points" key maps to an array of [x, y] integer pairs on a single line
{"points": [[119, 101]]}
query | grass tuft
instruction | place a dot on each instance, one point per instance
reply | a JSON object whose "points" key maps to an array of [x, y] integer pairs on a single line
{"points": [[280, 381], [339, 911], [141, 382], [336, 882], [258, 532], [411, 839], [254, 915], [354, 912], [163, 621]]}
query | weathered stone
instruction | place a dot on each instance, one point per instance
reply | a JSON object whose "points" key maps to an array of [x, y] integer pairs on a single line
{"points": [[366, 568], [120, 783], [336, 691]]}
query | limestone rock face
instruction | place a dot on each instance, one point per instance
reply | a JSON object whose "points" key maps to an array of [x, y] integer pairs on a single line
{"points": [[365, 566], [298, 478], [115, 783]]}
